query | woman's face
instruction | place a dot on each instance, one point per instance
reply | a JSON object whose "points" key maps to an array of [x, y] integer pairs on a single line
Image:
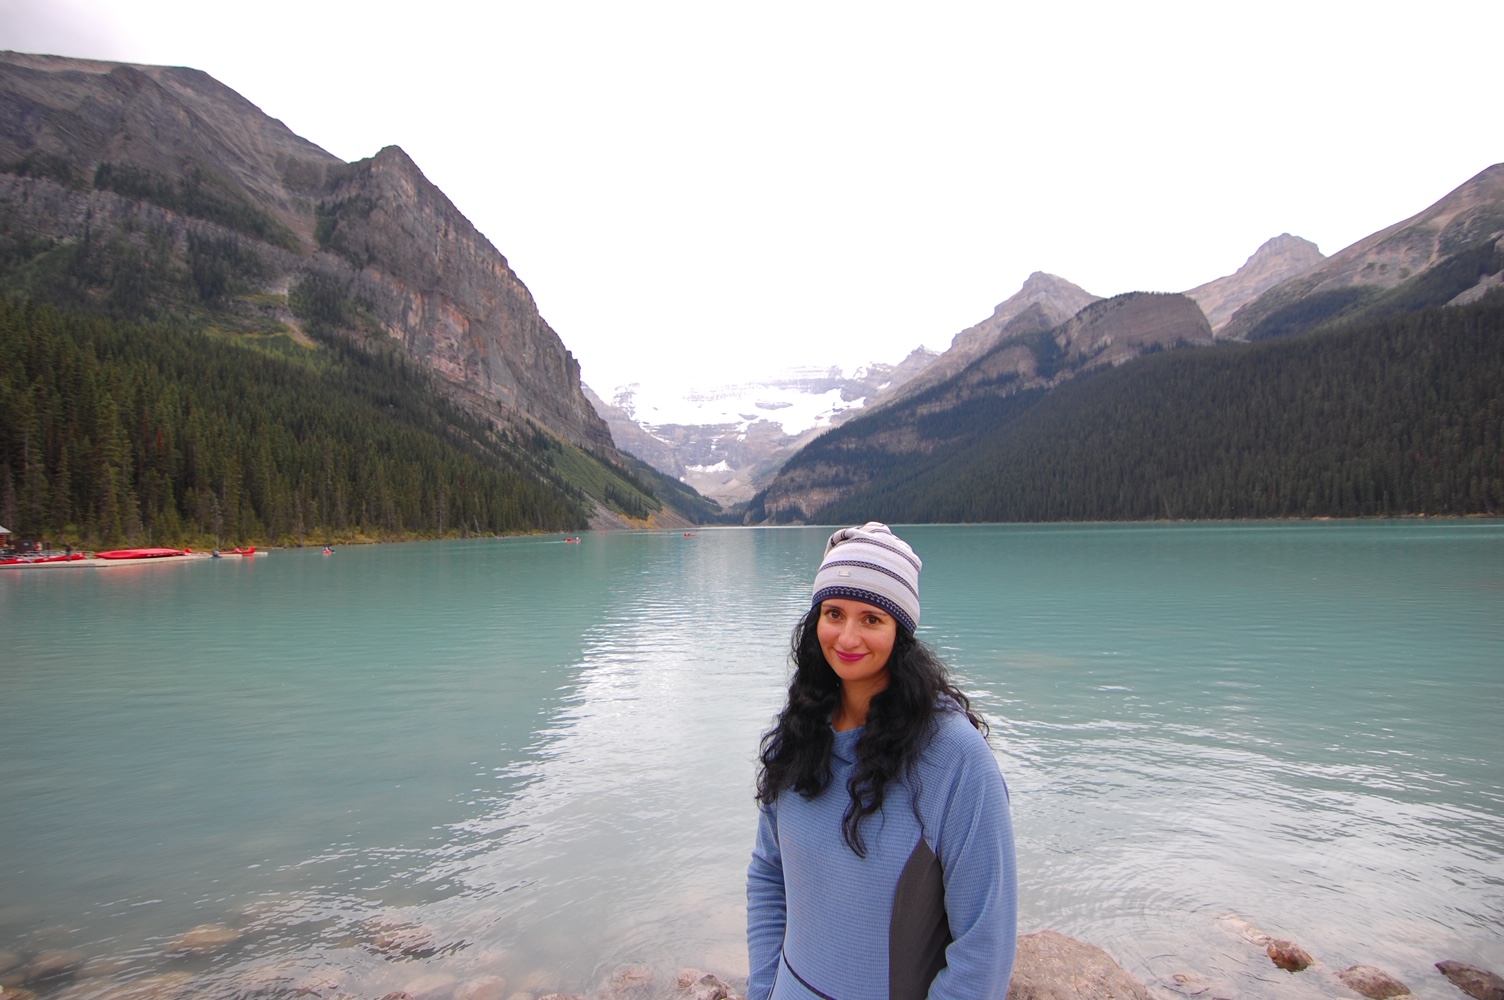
{"points": [[857, 639]]}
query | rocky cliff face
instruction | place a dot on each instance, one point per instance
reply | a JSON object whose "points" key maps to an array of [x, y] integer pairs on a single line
{"points": [[160, 156], [1044, 301], [1468, 217], [447, 295], [1277, 261]]}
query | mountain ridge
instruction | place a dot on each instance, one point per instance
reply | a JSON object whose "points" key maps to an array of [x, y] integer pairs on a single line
{"points": [[1106, 333], [174, 149], [1449, 255], [1468, 215], [1276, 261]]}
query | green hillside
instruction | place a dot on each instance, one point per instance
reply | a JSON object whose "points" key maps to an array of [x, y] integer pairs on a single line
{"points": [[114, 431], [1398, 416]]}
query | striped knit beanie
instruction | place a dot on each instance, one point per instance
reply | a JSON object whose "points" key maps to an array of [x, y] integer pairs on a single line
{"points": [[873, 565]]}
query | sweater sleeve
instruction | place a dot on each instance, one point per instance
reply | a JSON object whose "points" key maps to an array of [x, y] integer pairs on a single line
{"points": [[766, 906], [981, 886]]}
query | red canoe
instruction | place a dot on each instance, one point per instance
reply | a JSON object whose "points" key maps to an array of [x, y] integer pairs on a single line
{"points": [[139, 553]]}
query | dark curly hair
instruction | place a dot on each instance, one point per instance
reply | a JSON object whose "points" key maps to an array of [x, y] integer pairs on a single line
{"points": [[796, 751]]}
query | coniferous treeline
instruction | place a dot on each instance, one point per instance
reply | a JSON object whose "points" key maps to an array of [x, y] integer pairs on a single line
{"points": [[113, 432], [1403, 416]]}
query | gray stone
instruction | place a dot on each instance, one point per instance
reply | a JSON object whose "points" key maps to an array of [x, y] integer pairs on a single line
{"points": [[1052, 966], [1480, 984], [1374, 983]]}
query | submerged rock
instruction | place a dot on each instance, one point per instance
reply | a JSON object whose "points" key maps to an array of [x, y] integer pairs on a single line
{"points": [[628, 981], [1194, 984], [404, 942], [1374, 983], [1289, 956], [329, 981], [164, 986], [1052, 966], [1242, 928], [205, 939], [482, 988], [56, 963], [1480, 984], [431, 986], [274, 977], [707, 987]]}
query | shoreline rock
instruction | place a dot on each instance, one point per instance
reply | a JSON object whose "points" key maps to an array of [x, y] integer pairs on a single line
{"points": [[1054, 966], [1049, 966], [1288, 955], [1480, 984], [1372, 982]]}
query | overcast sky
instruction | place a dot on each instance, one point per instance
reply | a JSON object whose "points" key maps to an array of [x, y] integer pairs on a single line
{"points": [[698, 192]]}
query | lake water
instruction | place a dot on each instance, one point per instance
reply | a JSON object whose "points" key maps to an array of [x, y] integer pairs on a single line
{"points": [[408, 766]]}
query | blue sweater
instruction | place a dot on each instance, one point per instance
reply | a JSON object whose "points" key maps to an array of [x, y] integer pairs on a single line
{"points": [[822, 922]]}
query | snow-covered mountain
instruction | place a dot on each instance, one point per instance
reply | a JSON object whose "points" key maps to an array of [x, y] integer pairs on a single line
{"points": [[727, 440]]}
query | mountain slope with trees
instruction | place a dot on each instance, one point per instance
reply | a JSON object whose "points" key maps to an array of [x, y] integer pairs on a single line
{"points": [[157, 434], [1303, 427], [162, 203], [1400, 416]]}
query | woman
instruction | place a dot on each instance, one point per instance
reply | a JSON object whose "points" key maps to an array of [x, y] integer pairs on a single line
{"points": [[883, 868]]}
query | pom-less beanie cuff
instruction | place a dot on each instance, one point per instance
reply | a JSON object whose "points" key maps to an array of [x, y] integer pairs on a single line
{"points": [[871, 564]]}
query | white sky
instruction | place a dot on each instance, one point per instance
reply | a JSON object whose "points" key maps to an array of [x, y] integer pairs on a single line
{"points": [[698, 192]]}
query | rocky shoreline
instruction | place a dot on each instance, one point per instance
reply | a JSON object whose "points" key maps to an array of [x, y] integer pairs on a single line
{"points": [[1050, 966]]}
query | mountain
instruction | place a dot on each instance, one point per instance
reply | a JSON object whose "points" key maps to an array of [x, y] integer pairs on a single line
{"points": [[1401, 416], [1043, 302], [728, 441], [1391, 405], [1277, 261], [1448, 253], [166, 154], [157, 193], [1031, 358]]}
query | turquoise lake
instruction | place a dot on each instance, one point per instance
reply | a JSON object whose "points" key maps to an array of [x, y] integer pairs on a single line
{"points": [[535, 760]]}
